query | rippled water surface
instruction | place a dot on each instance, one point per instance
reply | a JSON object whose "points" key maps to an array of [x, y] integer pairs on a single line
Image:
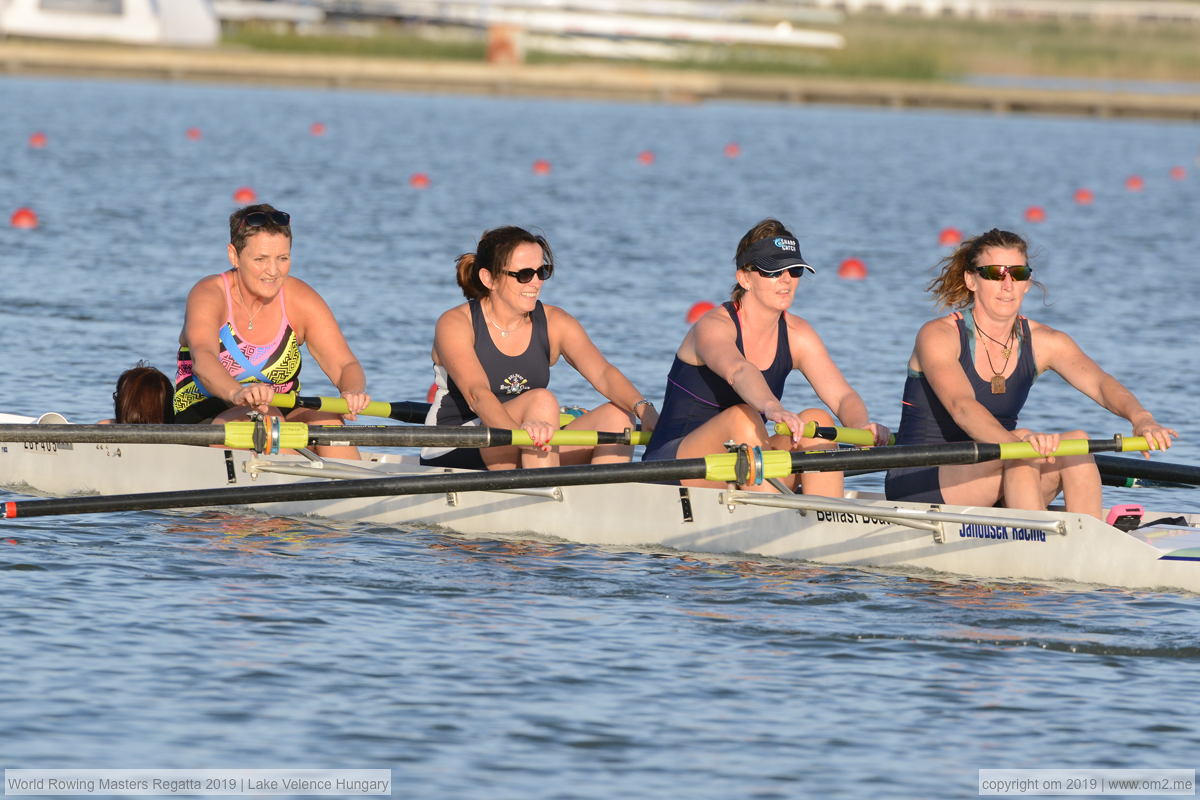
{"points": [[492, 668]]}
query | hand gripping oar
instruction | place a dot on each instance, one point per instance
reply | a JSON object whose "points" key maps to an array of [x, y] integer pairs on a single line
{"points": [[270, 434], [723, 467], [856, 436]]}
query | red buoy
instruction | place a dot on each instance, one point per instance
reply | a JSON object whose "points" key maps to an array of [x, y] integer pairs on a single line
{"points": [[1178, 173], [419, 180], [698, 310], [1035, 214], [37, 140], [244, 196], [193, 133], [733, 150], [317, 129], [432, 393], [1134, 183], [24, 218], [852, 269], [541, 167], [949, 237], [1084, 197], [646, 157]]}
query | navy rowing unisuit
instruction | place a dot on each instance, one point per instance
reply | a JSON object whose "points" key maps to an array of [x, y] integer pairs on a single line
{"points": [[508, 376], [924, 420], [696, 394]]}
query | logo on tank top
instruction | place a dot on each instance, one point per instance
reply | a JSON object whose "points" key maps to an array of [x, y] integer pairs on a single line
{"points": [[514, 384]]}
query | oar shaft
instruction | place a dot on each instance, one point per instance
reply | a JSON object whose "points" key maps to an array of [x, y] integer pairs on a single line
{"points": [[1148, 470], [406, 411]]}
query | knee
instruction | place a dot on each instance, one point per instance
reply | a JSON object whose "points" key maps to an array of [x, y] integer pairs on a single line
{"points": [[543, 400], [818, 415], [609, 417]]}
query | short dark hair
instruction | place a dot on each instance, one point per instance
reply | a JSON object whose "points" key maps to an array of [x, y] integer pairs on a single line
{"points": [[240, 232], [144, 396]]}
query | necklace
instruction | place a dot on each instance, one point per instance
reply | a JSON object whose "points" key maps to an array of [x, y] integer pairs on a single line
{"points": [[250, 316], [998, 382], [504, 333]]}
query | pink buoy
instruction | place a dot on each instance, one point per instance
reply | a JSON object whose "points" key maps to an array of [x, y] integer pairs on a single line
{"points": [[419, 180], [317, 129], [852, 269], [733, 150], [37, 140], [244, 196], [541, 167], [24, 218], [698, 310], [1178, 173], [1134, 183], [1035, 214], [193, 133], [646, 157], [1084, 197], [949, 237]]}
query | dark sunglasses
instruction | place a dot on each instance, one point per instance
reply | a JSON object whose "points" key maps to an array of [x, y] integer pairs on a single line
{"points": [[795, 272], [996, 272], [526, 275], [256, 219]]}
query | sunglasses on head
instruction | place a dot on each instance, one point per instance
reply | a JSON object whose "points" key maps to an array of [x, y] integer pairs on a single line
{"points": [[257, 219], [526, 275], [996, 272], [795, 272]]}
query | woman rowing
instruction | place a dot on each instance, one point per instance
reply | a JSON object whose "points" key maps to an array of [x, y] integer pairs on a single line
{"points": [[729, 373], [492, 357], [968, 378], [241, 338]]}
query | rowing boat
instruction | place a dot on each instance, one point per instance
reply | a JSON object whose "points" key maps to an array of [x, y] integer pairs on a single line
{"points": [[861, 529]]}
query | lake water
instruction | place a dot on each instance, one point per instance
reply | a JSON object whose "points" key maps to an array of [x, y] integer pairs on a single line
{"points": [[500, 669]]}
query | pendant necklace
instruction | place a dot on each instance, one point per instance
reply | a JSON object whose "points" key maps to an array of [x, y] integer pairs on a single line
{"points": [[504, 334], [998, 381], [250, 316]]}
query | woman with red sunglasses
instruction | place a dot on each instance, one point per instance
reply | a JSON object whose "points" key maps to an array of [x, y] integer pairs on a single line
{"points": [[969, 376], [241, 337], [728, 375], [492, 357]]}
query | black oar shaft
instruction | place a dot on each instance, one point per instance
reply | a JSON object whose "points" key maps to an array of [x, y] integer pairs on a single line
{"points": [[1149, 470]]}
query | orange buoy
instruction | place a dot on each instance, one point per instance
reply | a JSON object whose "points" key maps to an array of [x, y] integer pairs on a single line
{"points": [[419, 180], [24, 218], [541, 167], [698, 310], [1178, 173], [646, 157], [193, 133], [317, 129], [733, 150], [245, 196], [852, 269], [37, 140], [432, 393], [949, 237], [1035, 214], [1084, 197], [1134, 183]]}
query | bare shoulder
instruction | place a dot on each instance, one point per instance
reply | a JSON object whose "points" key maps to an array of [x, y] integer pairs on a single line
{"points": [[1048, 340], [799, 325], [298, 291], [459, 315]]}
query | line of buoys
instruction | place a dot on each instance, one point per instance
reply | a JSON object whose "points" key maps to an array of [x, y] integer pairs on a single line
{"points": [[698, 310], [419, 180], [646, 157], [193, 133], [24, 218], [37, 140], [541, 167], [317, 129], [244, 196], [852, 269]]}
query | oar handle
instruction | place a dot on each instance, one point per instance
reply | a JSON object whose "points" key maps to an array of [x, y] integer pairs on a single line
{"points": [[1070, 447], [856, 436]]}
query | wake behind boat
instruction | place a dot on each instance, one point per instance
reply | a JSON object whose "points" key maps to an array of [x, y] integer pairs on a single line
{"points": [[861, 529]]}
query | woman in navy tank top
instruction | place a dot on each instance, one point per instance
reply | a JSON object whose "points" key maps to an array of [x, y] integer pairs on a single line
{"points": [[970, 373], [728, 375], [492, 357]]}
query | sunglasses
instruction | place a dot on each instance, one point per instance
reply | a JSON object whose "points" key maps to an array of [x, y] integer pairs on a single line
{"points": [[257, 219], [997, 272], [795, 272], [526, 275]]}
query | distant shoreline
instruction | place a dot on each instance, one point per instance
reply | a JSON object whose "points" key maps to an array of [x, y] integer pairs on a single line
{"points": [[585, 81]]}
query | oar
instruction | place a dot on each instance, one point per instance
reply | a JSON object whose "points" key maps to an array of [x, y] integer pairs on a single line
{"points": [[741, 467], [408, 411], [403, 411], [269, 435], [1149, 470]]}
